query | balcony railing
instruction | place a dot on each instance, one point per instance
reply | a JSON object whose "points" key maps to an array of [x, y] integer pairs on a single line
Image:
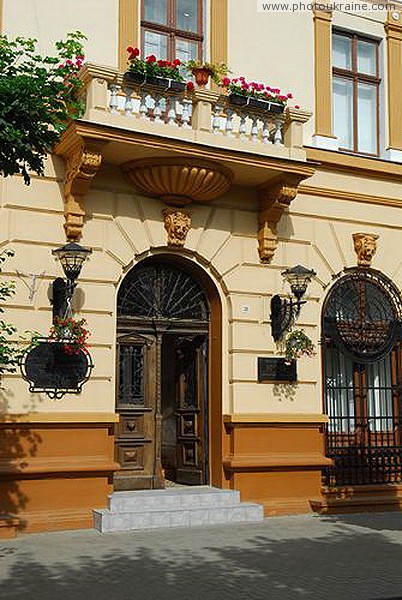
{"points": [[190, 115]]}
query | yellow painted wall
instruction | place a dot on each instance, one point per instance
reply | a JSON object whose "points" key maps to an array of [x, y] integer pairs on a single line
{"points": [[50, 20]]}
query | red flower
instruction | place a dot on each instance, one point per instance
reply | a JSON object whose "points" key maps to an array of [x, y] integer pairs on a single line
{"points": [[225, 81], [161, 63], [151, 58], [130, 49], [190, 86], [176, 62], [297, 106]]}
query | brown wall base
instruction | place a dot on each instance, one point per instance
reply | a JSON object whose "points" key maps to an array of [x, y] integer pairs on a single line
{"points": [[360, 498], [276, 460], [52, 474]]}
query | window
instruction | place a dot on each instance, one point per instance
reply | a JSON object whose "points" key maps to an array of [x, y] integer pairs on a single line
{"points": [[362, 352], [172, 29], [355, 92]]}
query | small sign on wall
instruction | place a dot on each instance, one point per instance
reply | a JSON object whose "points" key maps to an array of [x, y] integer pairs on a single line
{"points": [[276, 369]]}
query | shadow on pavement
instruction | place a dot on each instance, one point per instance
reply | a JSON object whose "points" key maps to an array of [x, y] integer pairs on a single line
{"points": [[339, 565]]}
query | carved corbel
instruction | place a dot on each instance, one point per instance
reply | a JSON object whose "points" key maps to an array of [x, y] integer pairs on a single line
{"points": [[274, 198], [82, 164]]}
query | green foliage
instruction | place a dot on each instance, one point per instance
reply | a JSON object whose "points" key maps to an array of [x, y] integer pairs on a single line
{"points": [[298, 344], [38, 95], [10, 352]]}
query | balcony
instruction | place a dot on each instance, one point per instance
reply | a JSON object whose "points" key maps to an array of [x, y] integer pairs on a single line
{"points": [[127, 123]]}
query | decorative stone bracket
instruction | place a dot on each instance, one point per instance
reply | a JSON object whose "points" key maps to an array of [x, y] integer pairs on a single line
{"points": [[83, 160], [274, 198]]}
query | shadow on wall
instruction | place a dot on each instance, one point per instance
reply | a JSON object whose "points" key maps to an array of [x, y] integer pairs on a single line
{"points": [[295, 560], [18, 443]]}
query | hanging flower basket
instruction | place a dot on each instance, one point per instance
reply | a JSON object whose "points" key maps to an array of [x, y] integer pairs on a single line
{"points": [[298, 344]]}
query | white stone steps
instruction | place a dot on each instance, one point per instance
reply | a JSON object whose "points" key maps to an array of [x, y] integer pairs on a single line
{"points": [[171, 498], [182, 507]]}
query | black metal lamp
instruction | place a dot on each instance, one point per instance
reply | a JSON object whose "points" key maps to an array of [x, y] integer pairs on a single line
{"points": [[283, 311], [71, 256]]}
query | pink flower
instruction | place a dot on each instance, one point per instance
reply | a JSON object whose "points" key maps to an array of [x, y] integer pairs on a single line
{"points": [[297, 106], [225, 81], [290, 96]]}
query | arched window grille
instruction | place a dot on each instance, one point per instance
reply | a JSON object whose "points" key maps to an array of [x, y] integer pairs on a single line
{"points": [[362, 326], [161, 291]]}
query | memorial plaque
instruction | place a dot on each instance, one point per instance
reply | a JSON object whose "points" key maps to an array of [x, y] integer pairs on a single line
{"points": [[276, 369]]}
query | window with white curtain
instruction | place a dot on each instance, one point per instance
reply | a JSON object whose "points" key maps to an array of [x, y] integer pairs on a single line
{"points": [[355, 85]]}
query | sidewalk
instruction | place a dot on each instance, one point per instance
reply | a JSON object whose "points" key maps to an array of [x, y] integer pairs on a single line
{"points": [[311, 557]]}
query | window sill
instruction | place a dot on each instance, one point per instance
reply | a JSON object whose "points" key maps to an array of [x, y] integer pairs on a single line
{"points": [[370, 166]]}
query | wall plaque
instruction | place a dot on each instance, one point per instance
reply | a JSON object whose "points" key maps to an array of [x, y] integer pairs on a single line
{"points": [[276, 369], [50, 370]]}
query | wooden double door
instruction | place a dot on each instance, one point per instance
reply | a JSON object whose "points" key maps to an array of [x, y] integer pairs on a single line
{"points": [[162, 402]]}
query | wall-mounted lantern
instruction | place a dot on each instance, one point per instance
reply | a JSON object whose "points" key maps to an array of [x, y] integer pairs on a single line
{"points": [[283, 311], [72, 257]]}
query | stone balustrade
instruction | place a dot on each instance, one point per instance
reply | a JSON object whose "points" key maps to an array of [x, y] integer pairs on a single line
{"points": [[200, 110]]}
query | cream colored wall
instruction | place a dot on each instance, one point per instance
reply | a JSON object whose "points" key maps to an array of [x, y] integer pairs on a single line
{"points": [[123, 227], [275, 48], [50, 20]]}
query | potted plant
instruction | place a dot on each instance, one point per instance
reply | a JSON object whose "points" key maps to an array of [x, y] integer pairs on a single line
{"points": [[202, 71], [255, 95], [298, 344], [161, 73]]}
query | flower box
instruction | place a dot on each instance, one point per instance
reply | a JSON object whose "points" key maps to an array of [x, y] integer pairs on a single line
{"points": [[161, 82], [265, 105]]}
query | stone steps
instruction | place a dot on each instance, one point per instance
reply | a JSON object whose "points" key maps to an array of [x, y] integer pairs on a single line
{"points": [[181, 507]]}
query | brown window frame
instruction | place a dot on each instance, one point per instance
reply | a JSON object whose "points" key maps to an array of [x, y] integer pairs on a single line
{"points": [[356, 77], [171, 30]]}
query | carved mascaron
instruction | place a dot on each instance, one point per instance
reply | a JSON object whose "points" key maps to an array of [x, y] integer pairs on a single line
{"points": [[177, 225], [365, 248]]}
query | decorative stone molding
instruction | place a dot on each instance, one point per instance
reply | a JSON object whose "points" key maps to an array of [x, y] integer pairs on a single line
{"points": [[179, 180], [274, 199], [82, 164], [177, 225], [365, 245]]}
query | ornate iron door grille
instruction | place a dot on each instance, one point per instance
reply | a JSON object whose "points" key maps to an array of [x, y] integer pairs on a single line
{"points": [[363, 380]]}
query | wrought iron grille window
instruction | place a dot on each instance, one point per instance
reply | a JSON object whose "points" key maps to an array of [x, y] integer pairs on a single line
{"points": [[131, 374], [161, 291], [363, 379]]}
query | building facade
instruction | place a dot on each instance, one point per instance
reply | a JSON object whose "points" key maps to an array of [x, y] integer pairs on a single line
{"points": [[192, 210]]}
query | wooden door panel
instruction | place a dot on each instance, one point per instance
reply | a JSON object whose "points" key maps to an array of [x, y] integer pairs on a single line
{"points": [[135, 404], [190, 414]]}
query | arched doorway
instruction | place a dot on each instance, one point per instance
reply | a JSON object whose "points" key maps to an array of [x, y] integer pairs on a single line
{"points": [[362, 354], [164, 321]]}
